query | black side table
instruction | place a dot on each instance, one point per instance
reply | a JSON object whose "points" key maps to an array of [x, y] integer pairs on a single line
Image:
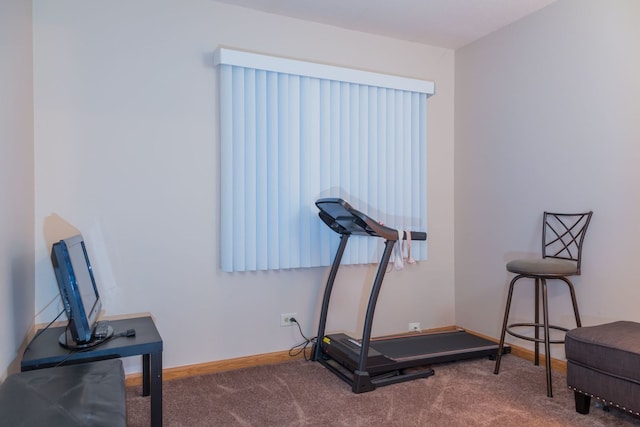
{"points": [[44, 351]]}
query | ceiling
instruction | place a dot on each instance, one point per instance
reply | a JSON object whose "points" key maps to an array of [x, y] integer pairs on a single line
{"points": [[444, 23]]}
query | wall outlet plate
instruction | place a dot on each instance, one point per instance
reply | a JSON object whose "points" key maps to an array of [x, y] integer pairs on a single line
{"points": [[285, 319], [414, 327]]}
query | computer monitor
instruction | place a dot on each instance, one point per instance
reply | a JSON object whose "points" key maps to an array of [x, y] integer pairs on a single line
{"points": [[78, 291]]}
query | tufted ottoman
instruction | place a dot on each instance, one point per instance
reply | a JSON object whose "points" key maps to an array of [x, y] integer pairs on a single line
{"points": [[603, 361]]}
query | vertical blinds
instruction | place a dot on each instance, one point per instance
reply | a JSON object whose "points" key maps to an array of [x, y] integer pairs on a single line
{"points": [[292, 132]]}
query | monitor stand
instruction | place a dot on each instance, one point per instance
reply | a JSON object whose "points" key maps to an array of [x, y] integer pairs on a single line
{"points": [[67, 341]]}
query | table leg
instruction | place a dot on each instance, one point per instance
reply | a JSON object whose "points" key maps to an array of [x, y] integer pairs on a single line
{"points": [[145, 374], [156, 389]]}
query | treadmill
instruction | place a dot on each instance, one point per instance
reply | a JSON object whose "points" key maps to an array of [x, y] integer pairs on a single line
{"points": [[373, 362]]}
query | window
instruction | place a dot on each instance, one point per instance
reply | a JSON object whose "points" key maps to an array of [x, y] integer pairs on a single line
{"points": [[292, 132]]}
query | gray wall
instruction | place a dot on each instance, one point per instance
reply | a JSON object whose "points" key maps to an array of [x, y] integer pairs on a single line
{"points": [[127, 152], [17, 288], [547, 116]]}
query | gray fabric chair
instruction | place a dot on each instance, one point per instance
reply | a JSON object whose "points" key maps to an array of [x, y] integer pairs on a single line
{"points": [[562, 239]]}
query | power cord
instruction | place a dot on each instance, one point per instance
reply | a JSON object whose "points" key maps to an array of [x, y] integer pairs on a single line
{"points": [[302, 347], [42, 330]]}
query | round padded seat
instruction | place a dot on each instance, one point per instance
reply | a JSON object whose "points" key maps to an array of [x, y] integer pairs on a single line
{"points": [[543, 267]]}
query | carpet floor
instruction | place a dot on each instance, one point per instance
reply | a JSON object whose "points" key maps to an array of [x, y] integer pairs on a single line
{"points": [[301, 393]]}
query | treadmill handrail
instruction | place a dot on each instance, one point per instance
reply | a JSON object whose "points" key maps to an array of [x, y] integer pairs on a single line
{"points": [[342, 218]]}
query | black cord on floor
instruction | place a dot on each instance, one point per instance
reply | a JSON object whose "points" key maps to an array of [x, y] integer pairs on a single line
{"points": [[302, 347]]}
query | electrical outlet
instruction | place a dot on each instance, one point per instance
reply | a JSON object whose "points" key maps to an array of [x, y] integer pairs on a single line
{"points": [[414, 327], [285, 319]]}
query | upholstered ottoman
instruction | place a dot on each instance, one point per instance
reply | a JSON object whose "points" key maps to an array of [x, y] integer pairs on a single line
{"points": [[87, 394], [604, 362]]}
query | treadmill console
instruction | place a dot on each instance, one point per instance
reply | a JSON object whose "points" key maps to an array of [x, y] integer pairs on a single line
{"points": [[342, 218]]}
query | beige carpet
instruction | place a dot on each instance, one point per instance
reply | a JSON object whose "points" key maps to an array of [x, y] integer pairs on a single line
{"points": [[300, 393]]}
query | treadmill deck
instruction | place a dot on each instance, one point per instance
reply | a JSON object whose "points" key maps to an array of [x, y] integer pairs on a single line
{"points": [[388, 354], [435, 344]]}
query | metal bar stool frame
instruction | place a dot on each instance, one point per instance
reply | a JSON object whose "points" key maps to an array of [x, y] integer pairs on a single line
{"points": [[562, 239]]}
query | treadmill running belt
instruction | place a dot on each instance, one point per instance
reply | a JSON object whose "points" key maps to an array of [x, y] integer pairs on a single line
{"points": [[437, 344]]}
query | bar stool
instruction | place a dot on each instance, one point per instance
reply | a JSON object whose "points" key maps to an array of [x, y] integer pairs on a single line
{"points": [[562, 239]]}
